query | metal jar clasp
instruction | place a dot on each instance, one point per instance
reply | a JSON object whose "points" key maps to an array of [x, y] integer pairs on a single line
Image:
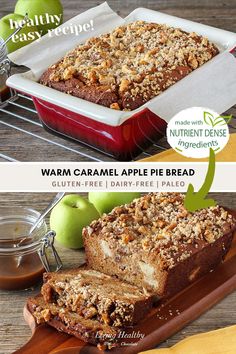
{"points": [[6, 93], [48, 243], [5, 67]]}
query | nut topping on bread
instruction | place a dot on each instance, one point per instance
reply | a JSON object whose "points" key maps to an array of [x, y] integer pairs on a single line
{"points": [[88, 330], [130, 65], [149, 239], [152, 246], [92, 306], [160, 220], [97, 296]]}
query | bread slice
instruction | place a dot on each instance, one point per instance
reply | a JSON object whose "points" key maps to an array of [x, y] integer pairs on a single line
{"points": [[154, 242], [94, 295], [88, 330]]}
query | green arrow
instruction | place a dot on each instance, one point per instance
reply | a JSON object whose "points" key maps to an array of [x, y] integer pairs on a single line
{"points": [[196, 200]]}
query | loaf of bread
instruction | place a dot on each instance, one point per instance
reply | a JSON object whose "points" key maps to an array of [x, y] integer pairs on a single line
{"points": [[88, 330], [127, 67], [148, 248], [94, 295], [154, 242]]}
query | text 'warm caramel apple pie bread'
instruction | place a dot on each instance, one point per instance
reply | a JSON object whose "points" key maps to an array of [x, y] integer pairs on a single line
{"points": [[155, 243], [130, 65]]}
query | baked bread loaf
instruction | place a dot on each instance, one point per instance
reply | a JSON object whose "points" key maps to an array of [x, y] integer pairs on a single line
{"points": [[94, 295], [88, 330], [127, 67], [154, 242]]}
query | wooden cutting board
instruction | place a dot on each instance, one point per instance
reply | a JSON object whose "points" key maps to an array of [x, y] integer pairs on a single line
{"points": [[166, 319]]}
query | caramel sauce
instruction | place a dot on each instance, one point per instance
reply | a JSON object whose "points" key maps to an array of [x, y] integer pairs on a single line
{"points": [[20, 272], [5, 94]]}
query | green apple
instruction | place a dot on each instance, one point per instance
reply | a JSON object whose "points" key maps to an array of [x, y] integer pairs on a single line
{"points": [[47, 13], [106, 201], [69, 217], [26, 35]]}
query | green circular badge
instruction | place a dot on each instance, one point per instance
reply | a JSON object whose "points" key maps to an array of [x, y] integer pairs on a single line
{"points": [[193, 131]]}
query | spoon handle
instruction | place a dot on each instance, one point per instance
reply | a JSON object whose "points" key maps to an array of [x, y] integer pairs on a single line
{"points": [[25, 19], [57, 198]]}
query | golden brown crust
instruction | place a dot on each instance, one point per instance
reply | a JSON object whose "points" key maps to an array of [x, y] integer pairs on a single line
{"points": [[90, 331], [129, 66], [150, 239], [94, 295]]}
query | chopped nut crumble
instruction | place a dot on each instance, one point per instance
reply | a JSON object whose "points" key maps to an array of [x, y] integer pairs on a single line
{"points": [[134, 63]]}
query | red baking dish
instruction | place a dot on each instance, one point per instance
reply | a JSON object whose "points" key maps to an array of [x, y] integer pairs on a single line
{"points": [[120, 134], [123, 142]]}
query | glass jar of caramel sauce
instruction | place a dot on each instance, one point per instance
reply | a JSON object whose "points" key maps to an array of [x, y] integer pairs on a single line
{"points": [[24, 257]]}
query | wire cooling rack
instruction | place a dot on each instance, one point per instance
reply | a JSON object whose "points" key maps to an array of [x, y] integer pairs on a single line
{"points": [[19, 117]]}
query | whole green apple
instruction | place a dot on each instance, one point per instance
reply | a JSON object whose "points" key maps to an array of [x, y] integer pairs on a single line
{"points": [[49, 13], [69, 217], [106, 201], [26, 35]]}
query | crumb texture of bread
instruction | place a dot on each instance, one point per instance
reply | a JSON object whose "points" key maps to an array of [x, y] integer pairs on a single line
{"points": [[94, 295], [154, 242], [130, 65], [148, 249], [88, 330]]}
